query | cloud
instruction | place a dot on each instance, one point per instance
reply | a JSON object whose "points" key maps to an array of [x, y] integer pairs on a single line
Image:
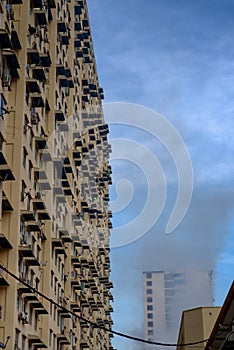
{"points": [[177, 58]]}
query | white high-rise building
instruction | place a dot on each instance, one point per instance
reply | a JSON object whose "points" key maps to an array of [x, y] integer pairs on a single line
{"points": [[167, 294]]}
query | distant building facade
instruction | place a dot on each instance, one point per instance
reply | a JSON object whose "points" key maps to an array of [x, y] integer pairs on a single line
{"points": [[167, 293]]}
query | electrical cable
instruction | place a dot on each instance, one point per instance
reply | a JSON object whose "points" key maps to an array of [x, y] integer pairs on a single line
{"points": [[94, 324]]}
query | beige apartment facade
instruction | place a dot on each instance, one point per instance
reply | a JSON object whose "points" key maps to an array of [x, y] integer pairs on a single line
{"points": [[167, 294], [196, 325], [54, 178]]}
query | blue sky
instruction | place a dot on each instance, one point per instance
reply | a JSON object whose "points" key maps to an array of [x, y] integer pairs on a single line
{"points": [[176, 57]]}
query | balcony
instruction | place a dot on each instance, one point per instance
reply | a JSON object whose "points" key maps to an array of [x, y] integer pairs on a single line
{"points": [[33, 56], [65, 235], [79, 53], [67, 170], [78, 9], [37, 4], [59, 115], [5, 171], [40, 16], [70, 83], [36, 341], [51, 4], [45, 59], [12, 62], [74, 306], [43, 215], [75, 261], [62, 340], [3, 279], [39, 73], [64, 38], [77, 43], [64, 314], [37, 101], [85, 23], [32, 86], [6, 205], [62, 81], [4, 243], [58, 247], [33, 226], [26, 251], [5, 39], [15, 2], [27, 215], [61, 27], [38, 307], [40, 142]]}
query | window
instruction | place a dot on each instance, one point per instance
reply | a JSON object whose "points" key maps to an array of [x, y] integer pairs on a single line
{"points": [[150, 316], [170, 284], [30, 166], [23, 190], [50, 337], [24, 157], [149, 307], [149, 283], [169, 292], [148, 274], [149, 299], [149, 291], [150, 324], [150, 332], [23, 342], [17, 332]]}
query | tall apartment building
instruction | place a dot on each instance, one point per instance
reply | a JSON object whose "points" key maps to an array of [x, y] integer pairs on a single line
{"points": [[54, 177], [166, 294]]}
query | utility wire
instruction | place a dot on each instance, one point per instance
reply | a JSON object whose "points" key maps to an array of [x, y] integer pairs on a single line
{"points": [[94, 324]]}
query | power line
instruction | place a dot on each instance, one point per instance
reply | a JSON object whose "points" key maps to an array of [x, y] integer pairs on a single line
{"points": [[94, 324]]}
